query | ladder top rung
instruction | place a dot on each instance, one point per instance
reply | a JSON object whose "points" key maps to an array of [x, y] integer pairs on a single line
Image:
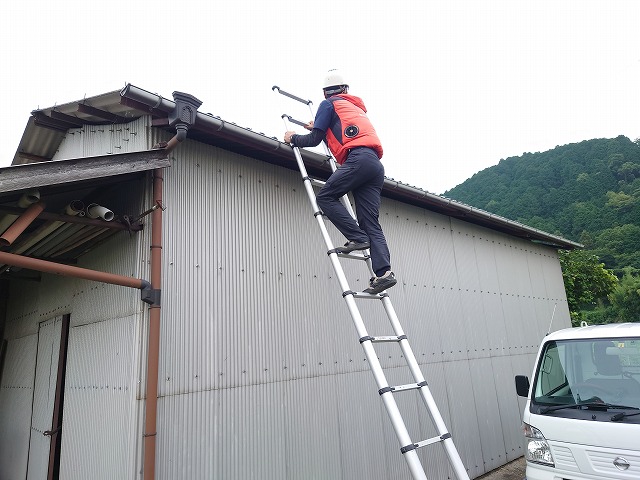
{"points": [[291, 95]]}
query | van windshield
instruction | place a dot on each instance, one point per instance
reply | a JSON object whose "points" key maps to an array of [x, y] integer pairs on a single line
{"points": [[597, 370]]}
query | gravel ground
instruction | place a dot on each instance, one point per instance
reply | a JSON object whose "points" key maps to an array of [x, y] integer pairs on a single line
{"points": [[514, 470]]}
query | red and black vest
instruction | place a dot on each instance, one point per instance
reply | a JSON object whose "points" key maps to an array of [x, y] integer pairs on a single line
{"points": [[350, 127]]}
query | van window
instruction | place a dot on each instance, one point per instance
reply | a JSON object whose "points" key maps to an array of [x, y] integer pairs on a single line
{"points": [[605, 370]]}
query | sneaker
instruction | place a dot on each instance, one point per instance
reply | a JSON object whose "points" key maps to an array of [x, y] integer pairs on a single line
{"points": [[351, 246], [379, 284]]}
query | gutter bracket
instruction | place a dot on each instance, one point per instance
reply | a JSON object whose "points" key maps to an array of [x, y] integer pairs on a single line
{"points": [[150, 295]]}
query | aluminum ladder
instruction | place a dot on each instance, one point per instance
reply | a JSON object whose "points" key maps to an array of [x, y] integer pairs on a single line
{"points": [[408, 448]]}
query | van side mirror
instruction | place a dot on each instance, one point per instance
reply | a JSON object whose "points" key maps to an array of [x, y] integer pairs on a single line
{"points": [[522, 385]]}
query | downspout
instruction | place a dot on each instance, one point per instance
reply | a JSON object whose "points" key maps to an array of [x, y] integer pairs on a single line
{"points": [[182, 117]]}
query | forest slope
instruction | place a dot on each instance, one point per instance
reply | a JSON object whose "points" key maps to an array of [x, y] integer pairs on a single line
{"points": [[588, 192]]}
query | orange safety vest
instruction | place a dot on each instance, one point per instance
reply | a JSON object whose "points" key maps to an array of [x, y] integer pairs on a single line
{"points": [[353, 128]]}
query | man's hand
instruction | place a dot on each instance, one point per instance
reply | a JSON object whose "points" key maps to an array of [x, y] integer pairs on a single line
{"points": [[309, 126], [287, 136]]}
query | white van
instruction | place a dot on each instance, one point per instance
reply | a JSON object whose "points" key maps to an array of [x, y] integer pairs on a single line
{"points": [[582, 417]]}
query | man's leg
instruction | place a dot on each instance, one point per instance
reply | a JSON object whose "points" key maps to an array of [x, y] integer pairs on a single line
{"points": [[344, 179], [367, 199]]}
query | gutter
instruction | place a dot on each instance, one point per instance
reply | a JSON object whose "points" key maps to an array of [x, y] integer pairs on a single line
{"points": [[467, 212], [207, 123]]}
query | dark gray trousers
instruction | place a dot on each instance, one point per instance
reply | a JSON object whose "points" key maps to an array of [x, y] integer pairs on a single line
{"points": [[363, 175]]}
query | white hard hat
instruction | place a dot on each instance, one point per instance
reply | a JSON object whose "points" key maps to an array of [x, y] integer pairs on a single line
{"points": [[333, 78]]}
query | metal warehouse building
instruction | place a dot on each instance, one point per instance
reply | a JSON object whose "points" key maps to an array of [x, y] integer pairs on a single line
{"points": [[168, 310]]}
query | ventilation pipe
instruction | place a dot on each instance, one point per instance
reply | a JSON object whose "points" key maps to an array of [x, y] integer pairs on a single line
{"points": [[28, 198], [98, 211], [75, 208]]}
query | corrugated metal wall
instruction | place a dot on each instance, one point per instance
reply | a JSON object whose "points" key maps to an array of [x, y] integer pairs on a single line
{"points": [[261, 372], [97, 140]]}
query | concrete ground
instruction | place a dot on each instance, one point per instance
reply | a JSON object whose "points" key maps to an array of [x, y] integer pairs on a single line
{"points": [[514, 470]]}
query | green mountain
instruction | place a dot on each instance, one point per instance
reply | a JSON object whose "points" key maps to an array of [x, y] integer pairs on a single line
{"points": [[588, 192]]}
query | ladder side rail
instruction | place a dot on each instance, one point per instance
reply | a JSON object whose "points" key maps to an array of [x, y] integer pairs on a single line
{"points": [[409, 448], [427, 396]]}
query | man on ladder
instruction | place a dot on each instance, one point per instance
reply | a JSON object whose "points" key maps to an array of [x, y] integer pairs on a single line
{"points": [[342, 122]]}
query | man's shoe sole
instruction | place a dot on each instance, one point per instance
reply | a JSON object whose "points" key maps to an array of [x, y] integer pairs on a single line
{"points": [[382, 287]]}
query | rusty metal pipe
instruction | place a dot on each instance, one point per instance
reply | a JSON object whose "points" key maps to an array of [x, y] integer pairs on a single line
{"points": [[21, 224], [178, 138], [71, 271], [153, 355]]}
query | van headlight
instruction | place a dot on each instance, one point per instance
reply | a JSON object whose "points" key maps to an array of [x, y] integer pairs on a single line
{"points": [[538, 449]]}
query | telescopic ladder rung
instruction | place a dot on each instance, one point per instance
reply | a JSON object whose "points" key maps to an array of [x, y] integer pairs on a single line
{"points": [[353, 255], [366, 296], [424, 443], [317, 183], [367, 342], [382, 339], [402, 388]]}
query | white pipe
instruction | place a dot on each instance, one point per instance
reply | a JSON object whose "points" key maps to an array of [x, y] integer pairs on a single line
{"points": [[94, 211], [29, 197], [75, 208]]}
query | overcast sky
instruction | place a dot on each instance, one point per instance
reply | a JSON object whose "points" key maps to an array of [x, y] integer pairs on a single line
{"points": [[452, 86]]}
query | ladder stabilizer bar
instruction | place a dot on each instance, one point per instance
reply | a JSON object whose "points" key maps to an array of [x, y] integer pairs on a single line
{"points": [[291, 95], [293, 120]]}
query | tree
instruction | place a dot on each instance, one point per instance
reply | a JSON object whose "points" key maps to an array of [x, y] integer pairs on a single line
{"points": [[626, 297], [586, 281]]}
